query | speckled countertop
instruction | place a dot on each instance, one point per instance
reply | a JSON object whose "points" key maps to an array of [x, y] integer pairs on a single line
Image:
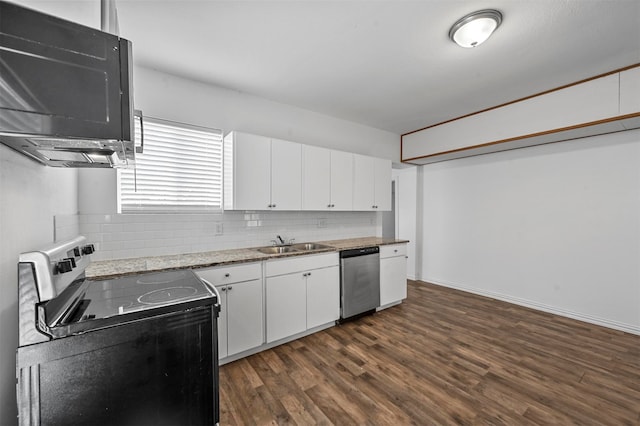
{"points": [[113, 268]]}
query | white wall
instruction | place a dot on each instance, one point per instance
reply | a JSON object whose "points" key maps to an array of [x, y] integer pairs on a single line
{"points": [[30, 196], [555, 227], [406, 191], [165, 96], [169, 97]]}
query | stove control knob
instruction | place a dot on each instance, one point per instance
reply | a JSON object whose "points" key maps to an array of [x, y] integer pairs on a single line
{"points": [[64, 266], [76, 251], [88, 249], [72, 260]]}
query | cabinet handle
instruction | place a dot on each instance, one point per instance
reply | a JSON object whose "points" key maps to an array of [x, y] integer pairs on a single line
{"points": [[333, 205], [223, 289], [309, 274], [230, 288], [328, 205], [273, 205], [227, 275], [395, 251]]}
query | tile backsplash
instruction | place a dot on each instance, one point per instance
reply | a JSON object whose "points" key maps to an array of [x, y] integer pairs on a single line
{"points": [[121, 236]]}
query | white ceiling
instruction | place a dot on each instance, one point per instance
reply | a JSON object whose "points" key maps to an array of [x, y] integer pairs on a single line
{"points": [[385, 64]]}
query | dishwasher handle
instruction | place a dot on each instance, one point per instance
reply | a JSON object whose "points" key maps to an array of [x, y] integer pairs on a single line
{"points": [[359, 252]]}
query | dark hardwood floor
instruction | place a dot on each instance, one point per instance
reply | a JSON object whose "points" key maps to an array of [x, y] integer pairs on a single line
{"points": [[441, 357]]}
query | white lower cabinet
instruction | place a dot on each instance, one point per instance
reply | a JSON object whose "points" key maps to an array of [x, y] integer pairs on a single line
{"points": [[302, 293], [241, 321], [323, 296], [286, 306], [393, 273]]}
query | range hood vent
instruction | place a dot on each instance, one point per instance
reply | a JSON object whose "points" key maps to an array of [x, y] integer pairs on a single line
{"points": [[65, 91]]}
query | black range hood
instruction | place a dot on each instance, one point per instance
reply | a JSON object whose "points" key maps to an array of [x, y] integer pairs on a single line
{"points": [[65, 91]]}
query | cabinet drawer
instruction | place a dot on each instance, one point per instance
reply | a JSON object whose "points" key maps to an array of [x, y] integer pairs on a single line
{"points": [[393, 250], [223, 275], [300, 263]]}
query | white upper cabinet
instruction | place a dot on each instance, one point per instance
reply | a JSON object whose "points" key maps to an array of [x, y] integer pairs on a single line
{"points": [[371, 183], [630, 91], [316, 178], [286, 175], [247, 173], [261, 173], [342, 180], [327, 179], [382, 182]]}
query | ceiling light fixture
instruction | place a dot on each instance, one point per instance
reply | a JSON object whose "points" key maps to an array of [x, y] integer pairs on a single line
{"points": [[473, 29]]}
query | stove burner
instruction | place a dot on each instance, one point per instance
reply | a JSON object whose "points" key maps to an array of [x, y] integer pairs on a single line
{"points": [[161, 278], [166, 295]]}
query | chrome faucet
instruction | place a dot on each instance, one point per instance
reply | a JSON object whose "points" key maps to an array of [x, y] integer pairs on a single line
{"points": [[279, 241]]}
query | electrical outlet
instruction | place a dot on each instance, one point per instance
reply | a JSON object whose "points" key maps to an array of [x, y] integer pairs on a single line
{"points": [[322, 223], [219, 228]]}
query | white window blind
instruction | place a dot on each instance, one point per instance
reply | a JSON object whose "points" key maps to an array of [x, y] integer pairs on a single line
{"points": [[180, 170]]}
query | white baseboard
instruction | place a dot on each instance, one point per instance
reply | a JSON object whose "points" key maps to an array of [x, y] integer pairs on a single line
{"points": [[604, 322]]}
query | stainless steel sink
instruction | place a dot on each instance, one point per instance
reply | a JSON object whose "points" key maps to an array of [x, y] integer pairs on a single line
{"points": [[277, 250], [309, 246]]}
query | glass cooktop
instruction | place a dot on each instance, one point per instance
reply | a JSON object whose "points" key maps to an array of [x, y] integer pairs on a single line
{"points": [[107, 298]]}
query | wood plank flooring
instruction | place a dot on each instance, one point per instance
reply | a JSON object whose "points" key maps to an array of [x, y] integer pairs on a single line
{"points": [[441, 357]]}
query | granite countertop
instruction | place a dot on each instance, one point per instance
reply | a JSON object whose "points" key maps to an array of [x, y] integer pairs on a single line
{"points": [[106, 269]]}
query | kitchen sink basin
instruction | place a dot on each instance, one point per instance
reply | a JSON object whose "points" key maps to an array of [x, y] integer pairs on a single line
{"points": [[309, 246], [277, 250]]}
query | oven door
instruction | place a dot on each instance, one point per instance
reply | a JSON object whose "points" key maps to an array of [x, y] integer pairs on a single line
{"points": [[160, 370]]}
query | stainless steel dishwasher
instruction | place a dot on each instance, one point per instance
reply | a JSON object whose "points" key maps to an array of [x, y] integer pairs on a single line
{"points": [[359, 282]]}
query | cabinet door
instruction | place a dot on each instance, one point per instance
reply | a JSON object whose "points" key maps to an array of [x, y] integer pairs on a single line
{"points": [[222, 322], [286, 175], [363, 182], [316, 178], [286, 306], [341, 180], [382, 183], [323, 296], [630, 91], [251, 172], [393, 279], [244, 316]]}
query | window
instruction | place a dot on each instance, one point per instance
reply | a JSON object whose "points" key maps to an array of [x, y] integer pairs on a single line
{"points": [[179, 171]]}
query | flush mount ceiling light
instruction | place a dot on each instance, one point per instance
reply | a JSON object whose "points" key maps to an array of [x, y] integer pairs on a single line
{"points": [[473, 29]]}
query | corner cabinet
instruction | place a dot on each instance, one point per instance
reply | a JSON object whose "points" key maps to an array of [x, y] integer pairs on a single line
{"points": [[241, 321], [371, 183], [302, 293], [393, 274], [261, 173]]}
